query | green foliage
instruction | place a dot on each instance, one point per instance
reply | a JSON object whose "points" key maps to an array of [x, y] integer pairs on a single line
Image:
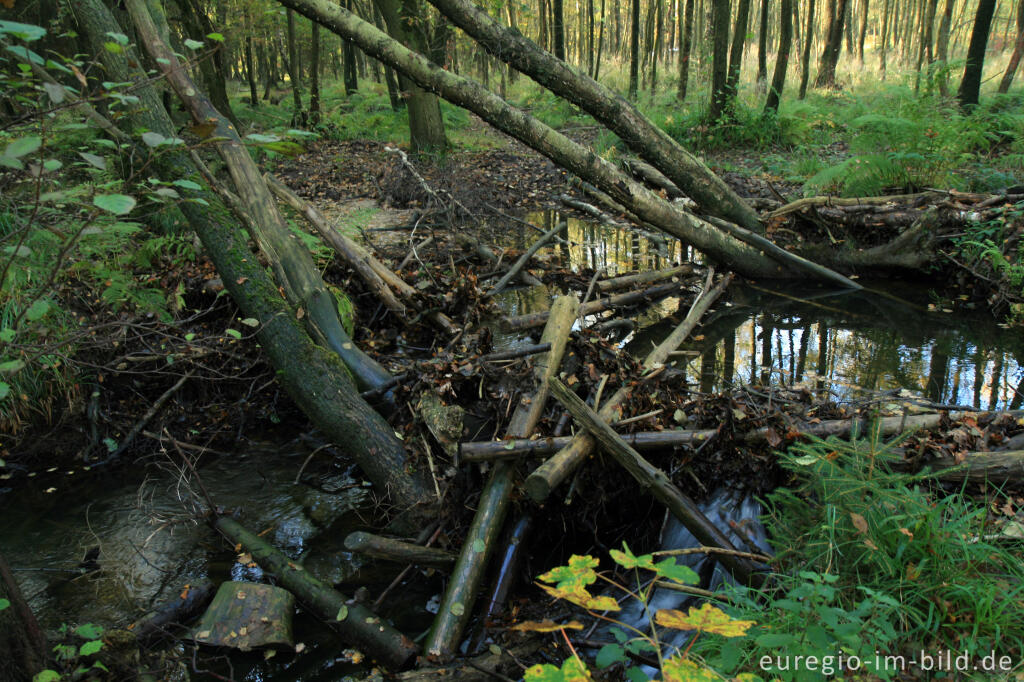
{"points": [[573, 582], [75, 655]]}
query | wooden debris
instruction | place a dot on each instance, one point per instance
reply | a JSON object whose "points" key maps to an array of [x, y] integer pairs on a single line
{"points": [[175, 613], [390, 549], [247, 616]]}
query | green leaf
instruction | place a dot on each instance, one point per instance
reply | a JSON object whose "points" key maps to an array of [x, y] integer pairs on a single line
{"points": [[167, 192], [773, 640], [610, 654], [187, 184], [479, 546], [111, 444], [47, 676], [458, 608], [250, 322], [7, 335], [119, 38], [233, 333], [113, 48], [193, 44], [27, 32], [153, 139], [90, 648], [5, 390], [190, 336], [215, 37], [256, 137], [37, 310], [52, 165], [4, 604], [342, 613], [89, 631], [26, 54], [12, 366], [55, 92], [118, 204], [20, 251], [22, 146]]}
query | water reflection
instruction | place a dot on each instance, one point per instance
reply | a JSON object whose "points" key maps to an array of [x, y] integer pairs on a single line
{"points": [[837, 342]]}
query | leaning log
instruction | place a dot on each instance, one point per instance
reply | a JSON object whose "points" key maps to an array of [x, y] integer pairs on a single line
{"points": [[524, 259], [390, 549], [547, 476], [292, 262], [531, 320], [357, 624], [658, 483], [611, 109], [717, 244], [629, 281], [313, 377], [486, 451], [482, 538]]}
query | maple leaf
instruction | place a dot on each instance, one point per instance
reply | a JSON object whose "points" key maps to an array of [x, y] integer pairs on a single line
{"points": [[705, 619], [580, 597], [579, 571], [678, 669]]}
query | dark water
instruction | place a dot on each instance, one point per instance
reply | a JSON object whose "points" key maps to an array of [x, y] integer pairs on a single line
{"points": [[891, 337]]}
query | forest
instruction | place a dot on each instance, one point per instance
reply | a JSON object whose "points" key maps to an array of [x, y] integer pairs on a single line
{"points": [[428, 340]]}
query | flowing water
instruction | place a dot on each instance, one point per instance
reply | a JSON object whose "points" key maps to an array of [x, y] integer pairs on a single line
{"points": [[837, 342]]}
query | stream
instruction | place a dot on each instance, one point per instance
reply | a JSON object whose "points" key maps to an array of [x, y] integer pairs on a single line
{"points": [[849, 345]]}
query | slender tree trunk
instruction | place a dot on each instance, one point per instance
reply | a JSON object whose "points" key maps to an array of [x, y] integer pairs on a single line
{"points": [[298, 114], [942, 48], [510, 14], [314, 77], [864, 5], [1018, 50], [833, 45], [719, 57], [656, 46], [782, 60], [250, 72], [197, 25], [542, 18], [685, 46], [739, 40], [600, 41], [558, 27], [883, 42], [634, 49], [805, 62], [970, 85], [762, 47]]}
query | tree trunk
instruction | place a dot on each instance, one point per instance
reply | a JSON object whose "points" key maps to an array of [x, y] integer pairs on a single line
{"points": [[833, 45], [884, 39], [739, 40], [314, 77], [1018, 49], [782, 59], [970, 85], [600, 43], [685, 47], [638, 133], [314, 377], [197, 24], [864, 5], [23, 649], [558, 28], [942, 48], [719, 55], [298, 114], [250, 72], [405, 19], [656, 45], [590, 38], [634, 49], [762, 47], [719, 245]]}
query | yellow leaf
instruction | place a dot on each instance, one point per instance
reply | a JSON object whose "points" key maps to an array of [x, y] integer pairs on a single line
{"points": [[677, 669], [546, 626], [705, 619], [859, 522]]}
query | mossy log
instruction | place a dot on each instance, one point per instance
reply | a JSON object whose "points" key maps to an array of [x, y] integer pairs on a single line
{"points": [[390, 549], [359, 626], [482, 538]]}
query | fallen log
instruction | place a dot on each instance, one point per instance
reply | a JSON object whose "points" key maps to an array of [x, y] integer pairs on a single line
{"points": [[376, 275], [482, 538], [628, 281], [177, 612], [514, 353], [359, 626], [548, 475], [658, 483], [508, 572], [389, 549], [997, 468], [485, 451], [654, 177], [484, 252], [532, 320]]}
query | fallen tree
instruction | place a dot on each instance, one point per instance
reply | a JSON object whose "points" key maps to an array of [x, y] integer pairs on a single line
{"points": [[719, 245]]}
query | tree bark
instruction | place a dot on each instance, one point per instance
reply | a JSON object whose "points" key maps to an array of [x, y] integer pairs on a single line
{"points": [[314, 77], [250, 72], [405, 21], [196, 22], [739, 41], [782, 59], [942, 48], [826, 77], [685, 46], [634, 49], [762, 47], [298, 113], [1018, 50], [970, 85], [23, 648], [884, 39], [719, 57], [864, 6]]}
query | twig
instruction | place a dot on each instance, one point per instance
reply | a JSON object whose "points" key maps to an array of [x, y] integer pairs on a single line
{"points": [[150, 413]]}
